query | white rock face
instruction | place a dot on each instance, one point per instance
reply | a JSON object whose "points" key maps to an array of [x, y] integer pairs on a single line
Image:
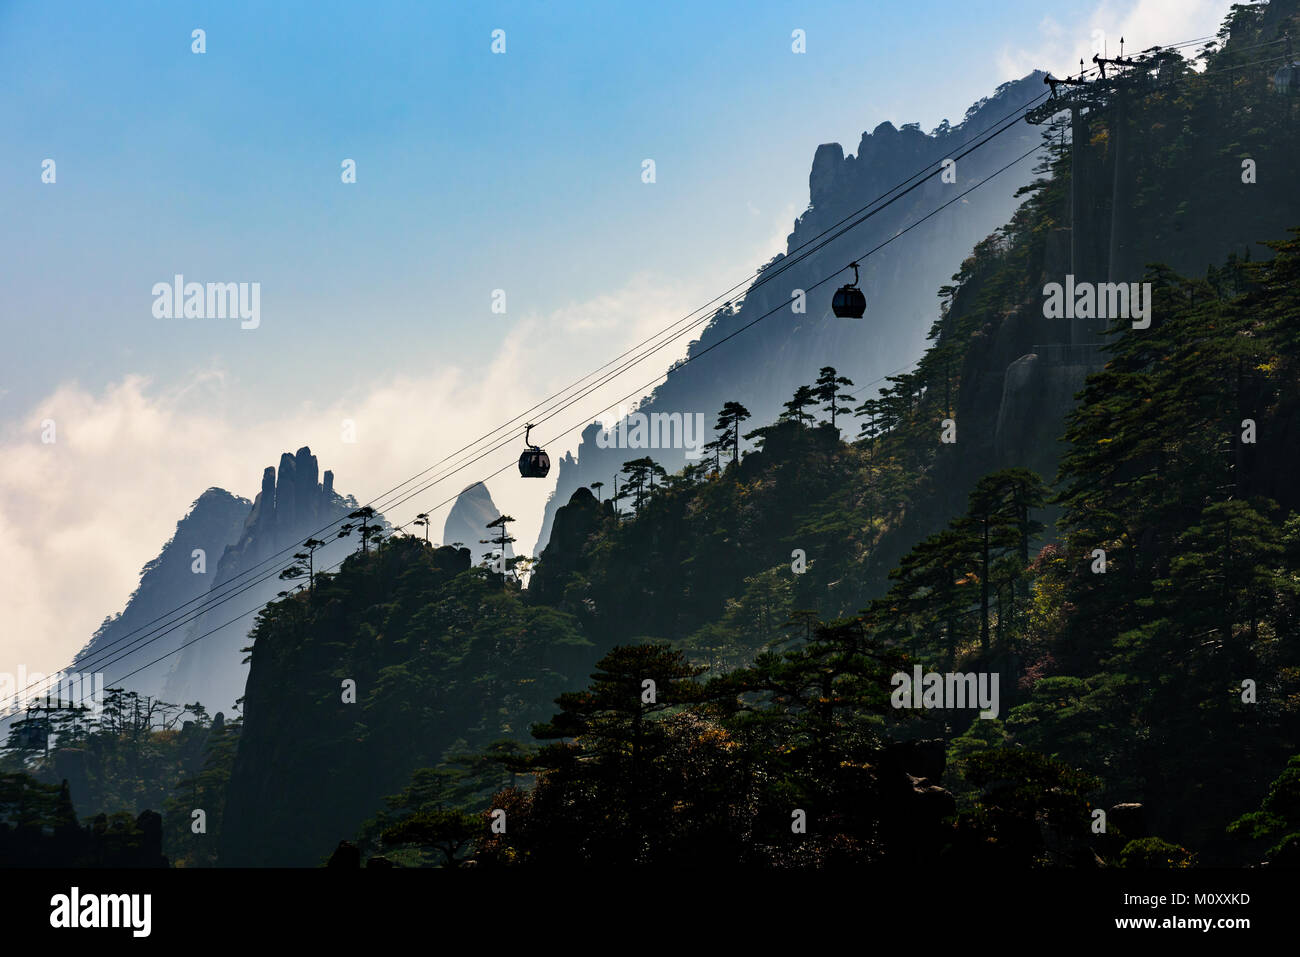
{"points": [[467, 523]]}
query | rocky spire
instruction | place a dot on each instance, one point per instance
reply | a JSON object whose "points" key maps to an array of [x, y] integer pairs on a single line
{"points": [[306, 491], [467, 522], [286, 489], [263, 514], [291, 506], [827, 167]]}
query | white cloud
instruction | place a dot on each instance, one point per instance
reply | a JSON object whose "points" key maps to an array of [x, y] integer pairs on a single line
{"points": [[778, 239], [81, 516], [1142, 24]]}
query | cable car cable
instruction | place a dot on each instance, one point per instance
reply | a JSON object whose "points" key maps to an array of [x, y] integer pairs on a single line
{"points": [[483, 454], [203, 610]]}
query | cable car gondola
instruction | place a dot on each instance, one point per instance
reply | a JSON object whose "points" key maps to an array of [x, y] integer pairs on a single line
{"points": [[849, 302], [1287, 80], [533, 461]]}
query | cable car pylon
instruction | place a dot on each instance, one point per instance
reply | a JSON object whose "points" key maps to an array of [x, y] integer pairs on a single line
{"points": [[1119, 125], [1120, 60], [1074, 102]]}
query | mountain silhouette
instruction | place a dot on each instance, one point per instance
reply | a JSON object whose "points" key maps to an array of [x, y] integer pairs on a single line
{"points": [[762, 366]]}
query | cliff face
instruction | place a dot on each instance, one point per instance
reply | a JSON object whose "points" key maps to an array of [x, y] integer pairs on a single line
{"points": [[302, 776], [567, 552], [178, 575], [467, 523], [440, 662], [762, 366], [221, 542], [291, 506]]}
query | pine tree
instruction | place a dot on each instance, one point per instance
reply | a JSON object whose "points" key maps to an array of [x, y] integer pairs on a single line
{"points": [[794, 407], [827, 392], [501, 541], [617, 729], [728, 427]]}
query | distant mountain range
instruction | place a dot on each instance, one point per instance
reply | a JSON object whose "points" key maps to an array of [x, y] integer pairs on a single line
{"points": [[759, 368], [197, 601], [216, 552], [762, 366]]}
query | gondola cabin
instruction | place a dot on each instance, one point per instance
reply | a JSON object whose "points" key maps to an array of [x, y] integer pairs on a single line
{"points": [[533, 461], [848, 301], [1287, 80]]}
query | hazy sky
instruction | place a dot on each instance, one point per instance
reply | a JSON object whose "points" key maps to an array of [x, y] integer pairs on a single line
{"points": [[475, 172]]}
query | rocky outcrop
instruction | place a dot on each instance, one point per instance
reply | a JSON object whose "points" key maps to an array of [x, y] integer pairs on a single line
{"points": [[566, 554], [762, 366], [1038, 392], [311, 768], [184, 571], [291, 506], [467, 523], [827, 173]]}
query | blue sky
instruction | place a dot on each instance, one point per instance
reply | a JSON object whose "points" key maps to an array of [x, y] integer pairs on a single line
{"points": [[475, 172]]}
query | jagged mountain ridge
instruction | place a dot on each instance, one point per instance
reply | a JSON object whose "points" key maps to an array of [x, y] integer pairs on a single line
{"points": [[213, 523], [762, 366], [291, 506], [201, 660]]}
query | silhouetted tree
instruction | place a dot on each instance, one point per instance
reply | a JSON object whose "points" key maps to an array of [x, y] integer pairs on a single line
{"points": [[304, 565], [501, 541], [794, 408], [728, 427], [827, 391]]}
